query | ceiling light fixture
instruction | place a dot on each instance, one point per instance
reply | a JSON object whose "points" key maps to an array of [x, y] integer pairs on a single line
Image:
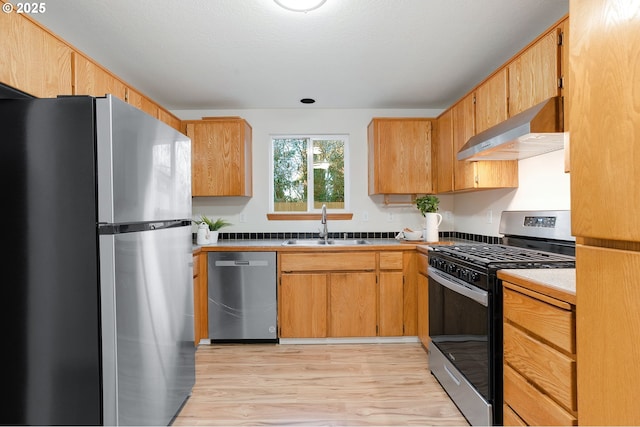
{"points": [[300, 5]]}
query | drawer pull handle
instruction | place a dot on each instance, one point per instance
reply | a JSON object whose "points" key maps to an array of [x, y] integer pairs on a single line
{"points": [[453, 377]]}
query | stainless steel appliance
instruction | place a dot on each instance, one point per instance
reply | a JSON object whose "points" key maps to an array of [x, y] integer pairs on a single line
{"points": [[97, 310], [465, 305], [242, 296]]}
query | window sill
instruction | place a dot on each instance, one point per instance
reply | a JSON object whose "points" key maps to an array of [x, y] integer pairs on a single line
{"points": [[308, 216]]}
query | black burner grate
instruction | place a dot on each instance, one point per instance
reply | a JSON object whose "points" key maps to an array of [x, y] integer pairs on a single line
{"points": [[490, 254]]}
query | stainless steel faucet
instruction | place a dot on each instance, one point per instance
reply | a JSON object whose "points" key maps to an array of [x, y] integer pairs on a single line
{"points": [[324, 233]]}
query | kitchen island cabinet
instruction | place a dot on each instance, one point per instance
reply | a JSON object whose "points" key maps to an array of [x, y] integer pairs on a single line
{"points": [[220, 156], [399, 155]]}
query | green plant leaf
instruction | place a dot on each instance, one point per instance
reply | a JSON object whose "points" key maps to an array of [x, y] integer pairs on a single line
{"points": [[428, 203]]}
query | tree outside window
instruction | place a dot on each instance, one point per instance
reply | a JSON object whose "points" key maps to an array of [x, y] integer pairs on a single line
{"points": [[308, 171]]}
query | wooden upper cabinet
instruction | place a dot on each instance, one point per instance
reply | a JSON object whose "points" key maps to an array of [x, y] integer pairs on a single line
{"points": [[443, 154], [32, 59], [221, 157], [89, 78], [141, 102], [399, 156], [170, 119], [534, 75], [463, 123], [491, 101]]}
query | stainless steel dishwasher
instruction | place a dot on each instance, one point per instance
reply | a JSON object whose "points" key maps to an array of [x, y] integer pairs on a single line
{"points": [[242, 296]]}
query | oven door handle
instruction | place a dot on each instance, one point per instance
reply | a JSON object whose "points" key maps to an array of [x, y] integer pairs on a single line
{"points": [[478, 295]]}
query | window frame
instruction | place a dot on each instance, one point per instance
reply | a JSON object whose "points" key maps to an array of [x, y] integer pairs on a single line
{"points": [[311, 138]]}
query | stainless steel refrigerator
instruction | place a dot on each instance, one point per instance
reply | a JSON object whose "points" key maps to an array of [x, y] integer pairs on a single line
{"points": [[97, 305]]}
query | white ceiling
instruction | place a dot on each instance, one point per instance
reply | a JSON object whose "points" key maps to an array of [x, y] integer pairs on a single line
{"points": [[241, 54]]}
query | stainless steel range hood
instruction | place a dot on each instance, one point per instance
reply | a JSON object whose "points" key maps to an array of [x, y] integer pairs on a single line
{"points": [[535, 131]]}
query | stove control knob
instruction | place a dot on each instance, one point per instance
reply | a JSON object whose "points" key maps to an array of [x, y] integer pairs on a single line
{"points": [[474, 277], [433, 262]]}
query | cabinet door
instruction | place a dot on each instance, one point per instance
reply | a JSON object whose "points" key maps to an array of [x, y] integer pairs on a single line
{"points": [[608, 335], [303, 305], [534, 74], [443, 153], [491, 101], [605, 120], [221, 157], [91, 79], [463, 123], [352, 304], [391, 303], [32, 59], [400, 156]]}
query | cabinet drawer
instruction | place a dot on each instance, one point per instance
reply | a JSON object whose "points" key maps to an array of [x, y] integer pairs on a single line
{"points": [[510, 418], [533, 407], [334, 261], [390, 260], [549, 322], [544, 366]]}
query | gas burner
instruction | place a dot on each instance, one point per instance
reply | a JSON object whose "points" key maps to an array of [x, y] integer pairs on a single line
{"points": [[490, 254]]}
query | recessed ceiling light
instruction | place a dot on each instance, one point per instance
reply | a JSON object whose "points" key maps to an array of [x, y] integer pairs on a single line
{"points": [[300, 5], [307, 100]]}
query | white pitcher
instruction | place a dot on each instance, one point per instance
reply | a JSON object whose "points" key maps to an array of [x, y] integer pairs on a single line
{"points": [[203, 234], [432, 222]]}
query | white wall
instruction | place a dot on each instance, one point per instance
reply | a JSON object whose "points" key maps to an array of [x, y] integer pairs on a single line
{"points": [[352, 122], [542, 181], [542, 185]]}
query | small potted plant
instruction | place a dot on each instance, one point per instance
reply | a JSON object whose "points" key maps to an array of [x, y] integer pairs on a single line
{"points": [[428, 207], [214, 226]]}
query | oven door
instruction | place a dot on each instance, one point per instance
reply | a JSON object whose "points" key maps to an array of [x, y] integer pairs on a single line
{"points": [[459, 327]]}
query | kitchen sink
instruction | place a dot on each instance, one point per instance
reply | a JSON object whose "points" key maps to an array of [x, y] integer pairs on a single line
{"points": [[322, 242]]}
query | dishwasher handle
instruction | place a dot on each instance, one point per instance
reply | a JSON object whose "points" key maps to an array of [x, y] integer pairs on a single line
{"points": [[241, 263]]}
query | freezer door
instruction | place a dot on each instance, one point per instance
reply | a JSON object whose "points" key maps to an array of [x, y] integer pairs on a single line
{"points": [[144, 166], [148, 332]]}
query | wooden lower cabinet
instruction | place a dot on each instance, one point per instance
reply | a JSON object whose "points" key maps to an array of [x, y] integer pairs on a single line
{"points": [[200, 297], [303, 307], [352, 304], [339, 294], [539, 358]]}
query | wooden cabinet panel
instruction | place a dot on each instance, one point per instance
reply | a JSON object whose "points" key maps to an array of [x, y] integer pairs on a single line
{"points": [[533, 407], [391, 304], [328, 261], [510, 418], [605, 120], [352, 304], [200, 296], [410, 270], [534, 75], [491, 101], [170, 119], [423, 310], [303, 306], [90, 78], [32, 59], [399, 156], [608, 334], [545, 367], [552, 323], [390, 260], [463, 123], [221, 157], [443, 153], [141, 102]]}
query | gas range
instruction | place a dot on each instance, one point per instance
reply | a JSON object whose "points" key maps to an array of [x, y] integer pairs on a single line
{"points": [[465, 305]]}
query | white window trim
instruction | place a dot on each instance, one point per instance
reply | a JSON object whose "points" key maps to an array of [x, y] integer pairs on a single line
{"points": [[312, 137]]}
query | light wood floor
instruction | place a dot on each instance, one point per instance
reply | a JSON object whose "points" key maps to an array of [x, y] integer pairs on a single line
{"points": [[336, 385]]}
